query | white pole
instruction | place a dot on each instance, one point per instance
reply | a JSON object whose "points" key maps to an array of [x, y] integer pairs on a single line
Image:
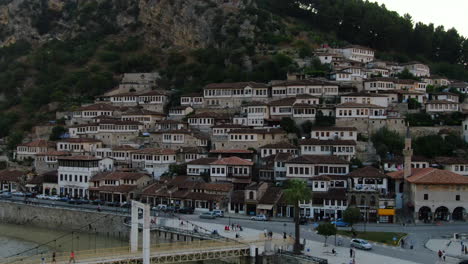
{"points": [[134, 228], [146, 234]]}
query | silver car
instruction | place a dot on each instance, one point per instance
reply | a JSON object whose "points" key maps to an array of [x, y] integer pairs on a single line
{"points": [[208, 215], [361, 244]]}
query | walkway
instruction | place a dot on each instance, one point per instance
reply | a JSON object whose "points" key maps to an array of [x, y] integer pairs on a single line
{"points": [[452, 248]]}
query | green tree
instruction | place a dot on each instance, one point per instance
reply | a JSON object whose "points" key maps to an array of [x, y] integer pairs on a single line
{"points": [[307, 127], [326, 230], [323, 120], [15, 138], [57, 131], [413, 104], [289, 125], [352, 215], [406, 74], [296, 192], [387, 141]]}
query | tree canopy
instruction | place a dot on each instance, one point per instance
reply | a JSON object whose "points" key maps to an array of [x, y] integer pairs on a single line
{"points": [[326, 230], [352, 215]]}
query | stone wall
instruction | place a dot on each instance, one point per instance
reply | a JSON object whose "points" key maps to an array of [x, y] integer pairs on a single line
{"points": [[64, 219], [369, 126], [434, 130]]}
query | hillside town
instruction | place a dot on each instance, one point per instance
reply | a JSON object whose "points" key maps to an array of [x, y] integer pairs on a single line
{"points": [[234, 146]]}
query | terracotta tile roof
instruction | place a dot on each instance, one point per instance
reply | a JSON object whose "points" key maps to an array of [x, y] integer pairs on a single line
{"points": [[281, 156], [317, 159], [11, 175], [367, 172], [50, 177], [431, 176], [283, 102], [405, 81], [142, 111], [381, 79], [123, 148], [204, 196], [332, 128], [114, 189], [332, 193], [258, 131], [310, 82], [54, 153], [271, 196], [209, 115], [119, 122], [400, 159], [329, 177], [231, 151], [450, 160], [236, 85], [306, 96], [155, 92], [232, 161], [358, 105], [192, 95], [279, 145], [192, 150], [237, 196], [85, 158], [364, 94], [99, 107], [254, 103], [218, 187], [318, 142], [79, 140], [39, 179], [152, 189], [118, 175], [440, 102], [202, 161], [155, 151], [39, 143]]}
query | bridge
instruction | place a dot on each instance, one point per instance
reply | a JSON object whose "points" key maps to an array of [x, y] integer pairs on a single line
{"points": [[161, 253]]}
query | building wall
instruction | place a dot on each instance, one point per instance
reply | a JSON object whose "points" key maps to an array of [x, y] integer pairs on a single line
{"points": [[366, 126]]}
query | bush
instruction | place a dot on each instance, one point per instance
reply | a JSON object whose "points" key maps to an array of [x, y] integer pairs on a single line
{"points": [[386, 141]]}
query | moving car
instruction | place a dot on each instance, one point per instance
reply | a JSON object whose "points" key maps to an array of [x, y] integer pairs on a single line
{"points": [[259, 218], [218, 213], [185, 210], [360, 243], [208, 215], [42, 196], [5, 195], [54, 198], [340, 223], [20, 194]]}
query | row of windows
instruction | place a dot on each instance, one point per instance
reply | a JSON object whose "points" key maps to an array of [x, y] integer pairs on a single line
{"points": [[75, 178], [426, 197]]}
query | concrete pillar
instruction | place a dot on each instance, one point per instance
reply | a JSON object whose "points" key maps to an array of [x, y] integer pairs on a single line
{"points": [[146, 234], [134, 228]]}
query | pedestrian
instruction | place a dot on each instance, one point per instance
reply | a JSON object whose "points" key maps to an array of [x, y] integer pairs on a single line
{"points": [[466, 250], [402, 243], [462, 248], [53, 258], [72, 257], [240, 228], [237, 235], [443, 254], [284, 235], [350, 252], [232, 226], [42, 260], [354, 261], [440, 254], [265, 232]]}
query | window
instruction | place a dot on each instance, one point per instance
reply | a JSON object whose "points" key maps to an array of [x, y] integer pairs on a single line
{"points": [[457, 197], [251, 195], [426, 196]]}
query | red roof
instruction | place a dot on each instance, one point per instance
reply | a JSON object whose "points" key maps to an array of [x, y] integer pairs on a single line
{"points": [[156, 151], [231, 151], [39, 143], [11, 175], [233, 161], [431, 176]]}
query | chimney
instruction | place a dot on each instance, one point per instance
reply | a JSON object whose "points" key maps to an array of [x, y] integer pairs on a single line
{"points": [[407, 153]]}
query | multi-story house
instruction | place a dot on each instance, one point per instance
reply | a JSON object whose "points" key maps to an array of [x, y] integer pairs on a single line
{"points": [[249, 138], [155, 161], [357, 110], [80, 146], [231, 95], [460, 86], [140, 81], [441, 106], [167, 125], [273, 168], [205, 120], [417, 69], [11, 179], [366, 98], [117, 186], [179, 112], [379, 84], [445, 96], [315, 87], [111, 132], [343, 133], [357, 53], [367, 185], [280, 147], [328, 199], [176, 139], [453, 164], [346, 149], [146, 117], [74, 173], [154, 100], [306, 166], [436, 81], [281, 108], [187, 154], [199, 166], [194, 100], [232, 169], [47, 161], [86, 114], [31, 149], [122, 155], [253, 114]]}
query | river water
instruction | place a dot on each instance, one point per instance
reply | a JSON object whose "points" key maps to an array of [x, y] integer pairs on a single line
{"points": [[27, 240]]}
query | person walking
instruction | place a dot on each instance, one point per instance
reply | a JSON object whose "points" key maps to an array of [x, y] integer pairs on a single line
{"points": [[350, 252], [439, 254], [443, 254], [265, 232], [72, 258], [42, 260], [54, 261]]}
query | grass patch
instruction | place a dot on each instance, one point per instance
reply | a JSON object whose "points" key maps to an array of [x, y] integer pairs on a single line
{"points": [[381, 237]]}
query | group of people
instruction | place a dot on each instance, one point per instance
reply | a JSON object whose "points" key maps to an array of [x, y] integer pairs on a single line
{"points": [[233, 227], [441, 254], [268, 234]]}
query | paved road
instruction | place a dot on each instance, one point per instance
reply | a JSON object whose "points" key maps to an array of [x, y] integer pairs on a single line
{"points": [[418, 235]]}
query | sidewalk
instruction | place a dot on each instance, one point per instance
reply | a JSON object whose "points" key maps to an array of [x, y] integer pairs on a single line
{"points": [[452, 248]]}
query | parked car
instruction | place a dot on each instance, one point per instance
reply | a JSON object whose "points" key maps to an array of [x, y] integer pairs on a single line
{"points": [[54, 198], [303, 221], [64, 199], [186, 210], [160, 207], [340, 223], [259, 218], [208, 215], [97, 202], [125, 205], [74, 201], [83, 201], [5, 195], [42, 197], [19, 194], [218, 213], [112, 203], [360, 243], [463, 262]]}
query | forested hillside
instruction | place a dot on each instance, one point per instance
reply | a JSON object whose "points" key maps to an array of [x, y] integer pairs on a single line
{"points": [[55, 54]]}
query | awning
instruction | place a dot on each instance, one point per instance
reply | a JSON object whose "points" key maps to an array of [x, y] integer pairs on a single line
{"points": [[265, 206], [386, 212]]}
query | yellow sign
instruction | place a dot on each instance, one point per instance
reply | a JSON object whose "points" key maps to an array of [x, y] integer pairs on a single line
{"points": [[386, 211]]}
